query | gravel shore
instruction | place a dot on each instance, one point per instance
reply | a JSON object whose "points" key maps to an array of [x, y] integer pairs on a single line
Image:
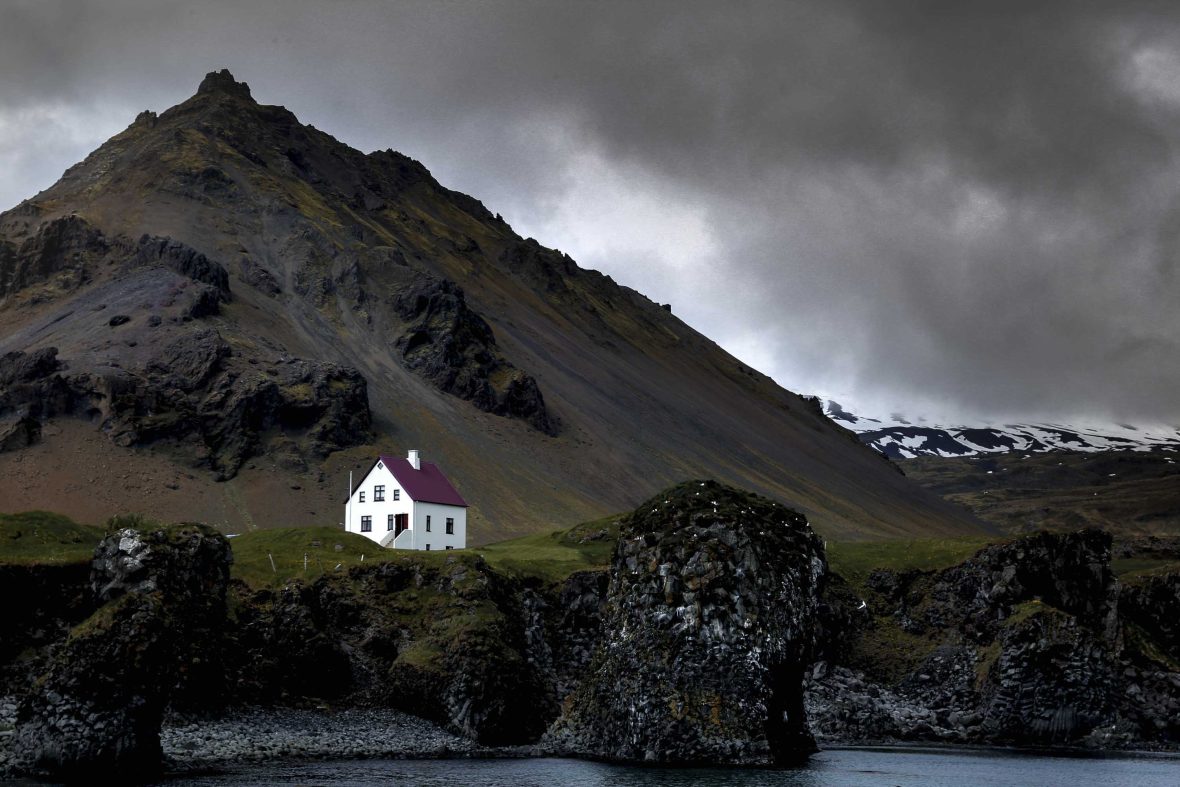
{"points": [[261, 734], [257, 734]]}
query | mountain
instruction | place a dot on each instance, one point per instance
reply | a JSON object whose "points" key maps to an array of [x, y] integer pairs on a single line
{"points": [[899, 437], [1026, 477], [222, 312]]}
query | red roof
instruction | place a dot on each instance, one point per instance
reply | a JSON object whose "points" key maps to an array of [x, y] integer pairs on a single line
{"points": [[427, 485]]}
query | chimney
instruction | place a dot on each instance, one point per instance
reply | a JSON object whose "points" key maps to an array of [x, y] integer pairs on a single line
{"points": [[412, 458]]}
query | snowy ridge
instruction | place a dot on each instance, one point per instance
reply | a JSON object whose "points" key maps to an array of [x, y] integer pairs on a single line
{"points": [[900, 438]]}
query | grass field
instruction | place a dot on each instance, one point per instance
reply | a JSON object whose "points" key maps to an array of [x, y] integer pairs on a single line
{"points": [[855, 560], [328, 550], [39, 537], [1133, 567], [555, 555]]}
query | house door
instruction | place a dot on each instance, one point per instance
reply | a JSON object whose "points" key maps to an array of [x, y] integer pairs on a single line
{"points": [[400, 522]]}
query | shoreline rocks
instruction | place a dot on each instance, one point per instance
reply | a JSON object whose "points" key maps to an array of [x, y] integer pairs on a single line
{"points": [[256, 734], [716, 638], [710, 619], [99, 705], [1030, 643]]}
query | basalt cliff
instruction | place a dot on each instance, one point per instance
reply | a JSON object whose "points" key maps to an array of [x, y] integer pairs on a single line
{"points": [[690, 648], [221, 311], [717, 634]]}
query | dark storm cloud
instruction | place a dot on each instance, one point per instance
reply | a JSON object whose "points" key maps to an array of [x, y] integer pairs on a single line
{"points": [[971, 206]]}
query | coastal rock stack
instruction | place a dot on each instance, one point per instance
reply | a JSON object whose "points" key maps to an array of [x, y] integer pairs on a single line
{"points": [[709, 622], [100, 707]]}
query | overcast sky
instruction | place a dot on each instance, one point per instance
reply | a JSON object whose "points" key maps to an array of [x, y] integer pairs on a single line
{"points": [[961, 208]]}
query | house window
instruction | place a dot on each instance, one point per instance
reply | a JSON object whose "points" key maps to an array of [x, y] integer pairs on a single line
{"points": [[379, 465], [428, 523], [450, 547], [366, 524], [428, 547], [362, 499], [450, 526], [378, 494], [389, 524], [397, 494]]}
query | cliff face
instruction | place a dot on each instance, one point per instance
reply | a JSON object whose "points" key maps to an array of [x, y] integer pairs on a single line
{"points": [[693, 651], [235, 296], [1031, 642], [97, 708], [709, 623], [445, 639], [716, 637]]}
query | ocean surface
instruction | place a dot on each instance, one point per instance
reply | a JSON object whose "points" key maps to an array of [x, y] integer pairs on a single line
{"points": [[910, 767]]}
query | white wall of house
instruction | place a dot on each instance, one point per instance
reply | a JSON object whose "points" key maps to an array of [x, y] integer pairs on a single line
{"points": [[437, 536], [364, 503]]}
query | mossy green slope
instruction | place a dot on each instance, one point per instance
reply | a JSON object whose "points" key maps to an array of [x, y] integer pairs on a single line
{"points": [[41, 537]]}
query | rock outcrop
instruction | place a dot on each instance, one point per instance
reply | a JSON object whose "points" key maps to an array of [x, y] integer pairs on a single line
{"points": [[1034, 642], [98, 709], [566, 628], [1052, 681], [445, 642], [196, 394], [710, 621], [63, 252], [446, 342], [1069, 571], [182, 259], [30, 390]]}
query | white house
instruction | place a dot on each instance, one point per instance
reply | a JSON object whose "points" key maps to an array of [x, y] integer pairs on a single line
{"points": [[407, 504]]}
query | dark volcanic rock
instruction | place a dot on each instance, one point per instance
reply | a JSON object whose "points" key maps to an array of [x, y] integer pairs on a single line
{"points": [[19, 367], [64, 251], [1052, 681], [189, 362], [185, 260], [223, 82], [285, 645], [1034, 642], [471, 673], [31, 388], [1070, 571], [99, 707], [258, 277], [188, 390], [446, 642], [710, 621], [453, 347], [324, 404], [62, 601], [17, 433], [542, 268], [573, 628], [1153, 605]]}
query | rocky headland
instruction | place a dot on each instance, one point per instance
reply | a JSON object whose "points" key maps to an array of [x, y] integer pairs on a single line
{"points": [[717, 634], [1034, 642]]}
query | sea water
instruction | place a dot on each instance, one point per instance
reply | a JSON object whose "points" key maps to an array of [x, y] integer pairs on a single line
{"points": [[909, 767]]}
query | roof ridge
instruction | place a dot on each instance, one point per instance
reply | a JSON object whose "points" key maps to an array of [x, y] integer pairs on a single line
{"points": [[422, 485]]}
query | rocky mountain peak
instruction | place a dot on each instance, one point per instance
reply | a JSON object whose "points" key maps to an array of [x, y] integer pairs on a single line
{"points": [[223, 82]]}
